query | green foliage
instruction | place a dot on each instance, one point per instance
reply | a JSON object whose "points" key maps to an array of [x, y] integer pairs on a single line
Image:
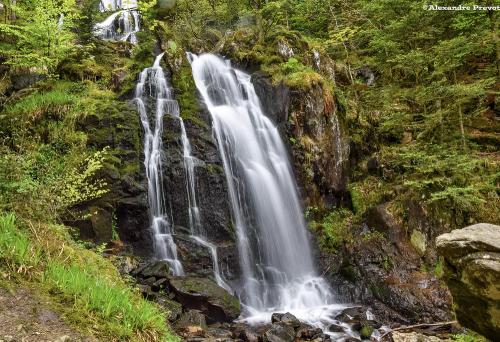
{"points": [[469, 336], [334, 229], [41, 35], [367, 193], [444, 178]]}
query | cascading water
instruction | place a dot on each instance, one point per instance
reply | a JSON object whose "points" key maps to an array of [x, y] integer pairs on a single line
{"points": [[276, 262], [113, 5], [154, 99], [121, 25]]}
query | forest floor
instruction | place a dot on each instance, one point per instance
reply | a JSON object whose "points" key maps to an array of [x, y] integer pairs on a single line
{"points": [[26, 317]]}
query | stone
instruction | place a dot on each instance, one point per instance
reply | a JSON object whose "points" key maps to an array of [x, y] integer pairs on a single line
{"points": [[472, 273], [354, 314], [286, 318], [307, 332], [190, 319], [102, 224], [174, 309], [418, 241], [336, 328], [413, 337], [279, 333], [203, 294], [157, 269]]}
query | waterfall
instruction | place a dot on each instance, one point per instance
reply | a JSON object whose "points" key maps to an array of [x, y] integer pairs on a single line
{"points": [[154, 98], [113, 5], [121, 25], [275, 256]]}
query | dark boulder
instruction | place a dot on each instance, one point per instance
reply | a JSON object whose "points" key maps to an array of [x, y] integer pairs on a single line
{"points": [[204, 295], [155, 269], [191, 318], [279, 333]]}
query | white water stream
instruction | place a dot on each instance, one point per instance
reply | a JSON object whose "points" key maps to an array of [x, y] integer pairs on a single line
{"points": [[122, 25], [278, 274], [154, 99]]}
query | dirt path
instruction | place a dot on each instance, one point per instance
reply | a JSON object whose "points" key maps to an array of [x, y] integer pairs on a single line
{"points": [[25, 318]]}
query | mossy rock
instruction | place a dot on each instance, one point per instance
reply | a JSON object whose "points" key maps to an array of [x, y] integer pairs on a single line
{"points": [[202, 294]]}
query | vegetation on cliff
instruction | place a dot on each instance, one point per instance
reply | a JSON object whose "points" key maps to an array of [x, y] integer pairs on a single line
{"points": [[415, 90]]}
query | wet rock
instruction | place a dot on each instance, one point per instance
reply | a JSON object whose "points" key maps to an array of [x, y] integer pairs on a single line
{"points": [[204, 295], [308, 333], [354, 314], [286, 318], [274, 98], [190, 319], [155, 269], [219, 333], [472, 273], [245, 333], [384, 271], [174, 309], [279, 333], [336, 328]]}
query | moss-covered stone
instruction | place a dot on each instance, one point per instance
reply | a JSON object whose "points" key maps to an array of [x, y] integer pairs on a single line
{"points": [[202, 294]]}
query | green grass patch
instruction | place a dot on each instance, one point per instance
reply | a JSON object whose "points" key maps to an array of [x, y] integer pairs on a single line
{"points": [[84, 286], [15, 247], [118, 307]]}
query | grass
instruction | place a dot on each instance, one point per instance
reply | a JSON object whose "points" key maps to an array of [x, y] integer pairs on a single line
{"points": [[15, 246], [117, 306], [85, 286]]}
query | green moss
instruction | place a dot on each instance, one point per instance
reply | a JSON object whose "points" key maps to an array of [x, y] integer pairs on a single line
{"points": [[186, 95], [334, 229], [367, 193], [366, 331]]}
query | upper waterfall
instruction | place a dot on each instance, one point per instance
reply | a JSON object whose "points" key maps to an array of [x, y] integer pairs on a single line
{"points": [[122, 25], [275, 254]]}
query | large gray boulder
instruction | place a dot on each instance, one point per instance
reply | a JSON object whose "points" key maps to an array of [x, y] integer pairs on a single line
{"points": [[472, 273]]}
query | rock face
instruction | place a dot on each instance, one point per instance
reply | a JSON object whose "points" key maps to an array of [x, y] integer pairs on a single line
{"points": [[309, 119], [383, 270], [123, 210], [472, 273]]}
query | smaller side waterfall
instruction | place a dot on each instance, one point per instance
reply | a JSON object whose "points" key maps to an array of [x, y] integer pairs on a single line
{"points": [[154, 96]]}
